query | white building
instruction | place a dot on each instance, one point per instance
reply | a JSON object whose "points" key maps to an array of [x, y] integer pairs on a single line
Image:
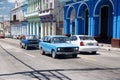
{"points": [[18, 21], [51, 17]]}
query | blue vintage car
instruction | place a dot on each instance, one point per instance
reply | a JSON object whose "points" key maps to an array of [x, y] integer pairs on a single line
{"points": [[57, 45], [29, 41]]}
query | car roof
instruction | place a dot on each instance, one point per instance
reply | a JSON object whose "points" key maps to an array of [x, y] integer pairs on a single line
{"points": [[29, 35], [56, 36], [82, 35]]}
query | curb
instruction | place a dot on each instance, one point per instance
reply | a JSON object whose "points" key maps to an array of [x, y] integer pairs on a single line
{"points": [[108, 47]]}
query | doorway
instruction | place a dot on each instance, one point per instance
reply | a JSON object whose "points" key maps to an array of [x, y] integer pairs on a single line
{"points": [[104, 21], [86, 22]]}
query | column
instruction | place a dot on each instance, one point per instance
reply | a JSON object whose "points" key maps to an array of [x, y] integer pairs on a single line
{"points": [[53, 28], [66, 26], [45, 29], [49, 29], [34, 25], [30, 28], [42, 30], [37, 28]]}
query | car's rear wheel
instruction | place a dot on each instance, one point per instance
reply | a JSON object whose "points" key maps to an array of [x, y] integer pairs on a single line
{"points": [[94, 52], [54, 55], [26, 47], [41, 51], [74, 55]]}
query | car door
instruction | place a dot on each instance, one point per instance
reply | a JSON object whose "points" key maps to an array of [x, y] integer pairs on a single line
{"points": [[43, 43], [48, 45]]}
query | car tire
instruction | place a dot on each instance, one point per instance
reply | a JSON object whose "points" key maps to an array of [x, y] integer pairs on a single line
{"points": [[54, 55], [42, 52], [74, 55], [94, 52], [26, 47], [21, 45]]}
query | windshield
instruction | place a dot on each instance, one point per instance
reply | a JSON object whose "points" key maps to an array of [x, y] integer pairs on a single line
{"points": [[31, 37], [59, 39], [86, 38]]}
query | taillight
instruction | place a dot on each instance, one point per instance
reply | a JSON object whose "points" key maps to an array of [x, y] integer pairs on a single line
{"points": [[81, 44]]}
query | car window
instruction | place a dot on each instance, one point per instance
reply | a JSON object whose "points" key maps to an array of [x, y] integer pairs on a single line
{"points": [[45, 39], [59, 39], [86, 38], [73, 38], [49, 40], [31, 37]]}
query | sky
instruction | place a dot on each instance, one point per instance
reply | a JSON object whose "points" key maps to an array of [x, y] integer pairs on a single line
{"points": [[5, 8]]}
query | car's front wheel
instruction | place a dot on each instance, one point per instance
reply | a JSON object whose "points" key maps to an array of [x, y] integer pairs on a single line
{"points": [[94, 52], [54, 55], [41, 51], [74, 55]]}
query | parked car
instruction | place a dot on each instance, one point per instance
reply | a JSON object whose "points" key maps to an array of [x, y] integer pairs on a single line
{"points": [[57, 45], [2, 36], [15, 36], [29, 41], [86, 43]]}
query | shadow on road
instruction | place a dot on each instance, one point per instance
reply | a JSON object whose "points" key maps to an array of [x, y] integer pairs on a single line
{"points": [[55, 73], [87, 53]]}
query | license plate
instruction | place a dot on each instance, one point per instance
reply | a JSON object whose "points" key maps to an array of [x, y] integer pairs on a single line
{"points": [[90, 44]]}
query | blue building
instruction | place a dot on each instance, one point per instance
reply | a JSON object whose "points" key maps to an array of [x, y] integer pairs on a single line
{"points": [[97, 18]]}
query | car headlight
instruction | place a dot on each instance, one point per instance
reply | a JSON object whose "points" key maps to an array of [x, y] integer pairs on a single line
{"points": [[59, 49], [76, 49]]}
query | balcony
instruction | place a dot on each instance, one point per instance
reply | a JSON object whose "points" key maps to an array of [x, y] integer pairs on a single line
{"points": [[46, 12], [35, 13], [14, 21]]}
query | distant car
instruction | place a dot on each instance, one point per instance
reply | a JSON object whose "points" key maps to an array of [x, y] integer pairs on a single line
{"points": [[15, 36], [86, 43], [29, 41], [2, 36], [57, 45]]}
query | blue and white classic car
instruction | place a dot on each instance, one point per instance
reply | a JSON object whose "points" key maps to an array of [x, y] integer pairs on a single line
{"points": [[58, 45], [29, 41]]}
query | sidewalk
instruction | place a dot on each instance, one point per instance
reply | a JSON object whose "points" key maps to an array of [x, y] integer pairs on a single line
{"points": [[108, 47]]}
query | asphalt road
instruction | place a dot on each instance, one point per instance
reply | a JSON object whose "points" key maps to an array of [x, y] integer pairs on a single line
{"points": [[20, 64]]}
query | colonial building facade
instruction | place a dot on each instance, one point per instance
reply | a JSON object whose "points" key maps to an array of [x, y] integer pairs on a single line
{"points": [[98, 18], [51, 17], [33, 25], [18, 21], [44, 17]]}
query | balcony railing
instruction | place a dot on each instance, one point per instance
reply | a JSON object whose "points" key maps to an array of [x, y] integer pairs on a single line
{"points": [[46, 12]]}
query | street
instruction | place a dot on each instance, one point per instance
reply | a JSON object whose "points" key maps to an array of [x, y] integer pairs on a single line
{"points": [[21, 64]]}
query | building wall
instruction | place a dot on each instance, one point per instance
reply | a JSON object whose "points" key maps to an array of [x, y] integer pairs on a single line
{"points": [[32, 16], [51, 16], [101, 21], [18, 21]]}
